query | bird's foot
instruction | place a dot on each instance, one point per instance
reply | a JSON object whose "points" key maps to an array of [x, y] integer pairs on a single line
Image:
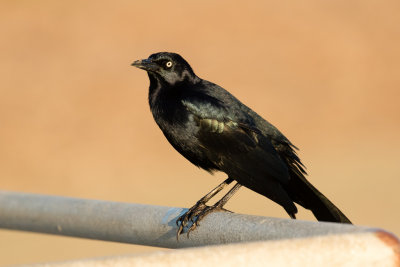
{"points": [[195, 214]]}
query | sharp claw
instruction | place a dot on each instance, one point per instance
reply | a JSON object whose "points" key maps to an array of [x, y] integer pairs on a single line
{"points": [[195, 215], [226, 210], [194, 225], [179, 232]]}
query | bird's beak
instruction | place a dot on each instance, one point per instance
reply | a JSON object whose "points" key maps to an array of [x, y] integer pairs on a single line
{"points": [[145, 64]]}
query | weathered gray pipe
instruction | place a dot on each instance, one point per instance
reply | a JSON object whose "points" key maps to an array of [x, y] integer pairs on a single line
{"points": [[146, 224]]}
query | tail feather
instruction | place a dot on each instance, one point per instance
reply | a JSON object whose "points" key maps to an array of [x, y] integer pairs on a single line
{"points": [[305, 194]]}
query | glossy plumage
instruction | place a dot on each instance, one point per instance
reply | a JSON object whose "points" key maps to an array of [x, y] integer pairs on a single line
{"points": [[215, 131]]}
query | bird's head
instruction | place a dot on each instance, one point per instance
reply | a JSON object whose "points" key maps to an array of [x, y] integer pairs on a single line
{"points": [[169, 68]]}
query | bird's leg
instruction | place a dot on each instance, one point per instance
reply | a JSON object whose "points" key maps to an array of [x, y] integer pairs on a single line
{"points": [[199, 206], [218, 206]]}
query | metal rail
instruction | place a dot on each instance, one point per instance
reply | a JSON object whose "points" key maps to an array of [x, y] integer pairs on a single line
{"points": [[147, 224]]}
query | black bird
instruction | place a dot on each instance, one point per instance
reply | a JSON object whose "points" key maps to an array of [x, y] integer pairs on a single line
{"points": [[216, 132]]}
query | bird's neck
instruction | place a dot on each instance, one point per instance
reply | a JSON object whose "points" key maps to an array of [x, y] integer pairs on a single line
{"points": [[160, 91], [161, 97], [165, 99], [154, 89]]}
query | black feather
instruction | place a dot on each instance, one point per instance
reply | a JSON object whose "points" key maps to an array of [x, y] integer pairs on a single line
{"points": [[216, 132]]}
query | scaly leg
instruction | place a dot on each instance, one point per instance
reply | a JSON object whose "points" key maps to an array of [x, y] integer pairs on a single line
{"points": [[200, 210], [201, 204]]}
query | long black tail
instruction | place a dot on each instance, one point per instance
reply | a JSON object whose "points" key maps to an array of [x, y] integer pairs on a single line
{"points": [[304, 193]]}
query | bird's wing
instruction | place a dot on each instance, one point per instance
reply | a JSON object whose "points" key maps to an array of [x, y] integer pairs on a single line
{"points": [[235, 140], [219, 130]]}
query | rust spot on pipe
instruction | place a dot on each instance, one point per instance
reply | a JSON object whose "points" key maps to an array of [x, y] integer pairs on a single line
{"points": [[391, 241]]}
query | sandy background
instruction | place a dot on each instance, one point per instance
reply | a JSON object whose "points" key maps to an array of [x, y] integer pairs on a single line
{"points": [[74, 118]]}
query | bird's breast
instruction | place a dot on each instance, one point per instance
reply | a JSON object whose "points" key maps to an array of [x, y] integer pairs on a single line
{"points": [[181, 133]]}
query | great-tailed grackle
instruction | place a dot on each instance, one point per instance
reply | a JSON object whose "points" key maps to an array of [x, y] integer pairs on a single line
{"points": [[216, 132]]}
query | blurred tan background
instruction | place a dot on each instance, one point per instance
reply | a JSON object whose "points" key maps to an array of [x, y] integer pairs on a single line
{"points": [[74, 118]]}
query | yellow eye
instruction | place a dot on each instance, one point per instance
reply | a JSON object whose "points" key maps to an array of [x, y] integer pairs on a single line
{"points": [[168, 64]]}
